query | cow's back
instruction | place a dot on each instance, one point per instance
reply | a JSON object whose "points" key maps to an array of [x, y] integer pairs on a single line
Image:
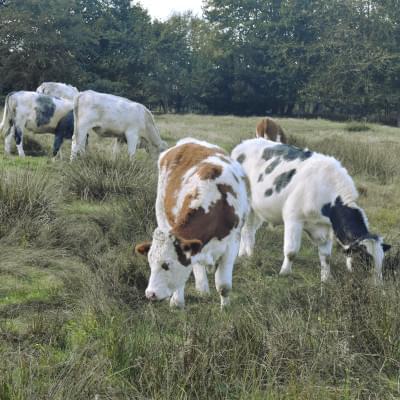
{"points": [[285, 177], [201, 193]]}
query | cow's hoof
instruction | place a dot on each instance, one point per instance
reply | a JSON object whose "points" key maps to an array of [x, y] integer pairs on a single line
{"points": [[174, 303], [285, 271]]}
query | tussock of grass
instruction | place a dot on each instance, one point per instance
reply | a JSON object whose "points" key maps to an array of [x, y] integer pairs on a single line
{"points": [[27, 201], [377, 160], [98, 175], [357, 126]]}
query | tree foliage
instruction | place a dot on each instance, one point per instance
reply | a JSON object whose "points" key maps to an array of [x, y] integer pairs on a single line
{"points": [[321, 57]]}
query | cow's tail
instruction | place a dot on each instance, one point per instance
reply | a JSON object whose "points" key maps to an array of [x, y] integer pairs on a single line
{"points": [[153, 135], [6, 122]]}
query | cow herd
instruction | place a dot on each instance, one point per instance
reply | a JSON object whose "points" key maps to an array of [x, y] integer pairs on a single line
{"points": [[210, 204], [69, 114]]}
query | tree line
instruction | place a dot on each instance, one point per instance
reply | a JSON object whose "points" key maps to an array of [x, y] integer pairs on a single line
{"points": [[334, 58]]}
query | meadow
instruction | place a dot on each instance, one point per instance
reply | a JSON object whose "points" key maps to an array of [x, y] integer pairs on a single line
{"points": [[74, 322]]}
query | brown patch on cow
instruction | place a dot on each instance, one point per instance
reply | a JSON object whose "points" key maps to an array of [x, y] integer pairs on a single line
{"points": [[178, 161], [204, 226], [224, 188], [209, 171], [270, 129]]}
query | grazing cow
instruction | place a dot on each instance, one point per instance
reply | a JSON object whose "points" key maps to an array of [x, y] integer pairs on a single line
{"points": [[304, 191], [57, 89], [201, 205], [37, 113], [270, 129], [110, 115]]}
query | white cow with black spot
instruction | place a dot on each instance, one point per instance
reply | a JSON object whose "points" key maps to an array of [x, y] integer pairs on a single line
{"points": [[113, 116], [38, 113], [304, 191]]}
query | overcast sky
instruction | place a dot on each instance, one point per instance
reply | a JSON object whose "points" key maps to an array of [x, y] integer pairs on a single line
{"points": [[162, 9]]}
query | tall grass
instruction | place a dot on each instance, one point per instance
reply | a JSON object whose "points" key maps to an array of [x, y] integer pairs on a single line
{"points": [[90, 333], [376, 160], [98, 175], [27, 200]]}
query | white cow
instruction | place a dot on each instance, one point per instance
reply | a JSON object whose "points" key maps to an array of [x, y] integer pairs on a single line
{"points": [[304, 191], [38, 113], [201, 205], [110, 115], [58, 89]]}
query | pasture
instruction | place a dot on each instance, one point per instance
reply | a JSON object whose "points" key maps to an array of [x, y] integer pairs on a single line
{"points": [[74, 322]]}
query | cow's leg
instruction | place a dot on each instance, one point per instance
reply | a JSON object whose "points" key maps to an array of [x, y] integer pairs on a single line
{"points": [[223, 274], [8, 140], [19, 141], [58, 141], [200, 277], [132, 138], [349, 263], [323, 238], [79, 141], [248, 234], [325, 251], [178, 298], [291, 246]]}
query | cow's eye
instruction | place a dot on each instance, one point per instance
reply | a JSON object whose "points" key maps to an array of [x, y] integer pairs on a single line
{"points": [[165, 266]]}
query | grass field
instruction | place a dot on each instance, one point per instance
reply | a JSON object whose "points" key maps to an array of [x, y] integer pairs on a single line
{"points": [[74, 323]]}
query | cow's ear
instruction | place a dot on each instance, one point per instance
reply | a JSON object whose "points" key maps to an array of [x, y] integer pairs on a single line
{"points": [[192, 246], [386, 247], [143, 248]]}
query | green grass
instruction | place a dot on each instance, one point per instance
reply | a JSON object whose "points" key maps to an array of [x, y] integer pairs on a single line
{"points": [[74, 323]]}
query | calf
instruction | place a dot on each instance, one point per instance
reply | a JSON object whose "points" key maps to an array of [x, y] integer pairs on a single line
{"points": [[115, 116], [201, 205], [270, 129], [38, 113], [57, 89], [304, 191]]}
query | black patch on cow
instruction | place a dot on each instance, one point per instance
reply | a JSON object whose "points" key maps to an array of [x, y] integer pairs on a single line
{"points": [[347, 222], [282, 180], [260, 178], [272, 165], [18, 135], [64, 130], [268, 192], [180, 254], [287, 152], [241, 158], [44, 110]]}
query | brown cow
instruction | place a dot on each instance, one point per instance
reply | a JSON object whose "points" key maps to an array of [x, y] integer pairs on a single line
{"points": [[201, 205], [269, 129]]}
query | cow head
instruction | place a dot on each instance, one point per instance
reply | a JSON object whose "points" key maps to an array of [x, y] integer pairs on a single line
{"points": [[170, 262], [370, 248]]}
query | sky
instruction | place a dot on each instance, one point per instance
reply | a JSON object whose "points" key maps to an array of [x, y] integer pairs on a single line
{"points": [[162, 9]]}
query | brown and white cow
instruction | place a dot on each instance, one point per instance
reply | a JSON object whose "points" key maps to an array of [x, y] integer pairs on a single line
{"points": [[267, 128], [201, 205]]}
